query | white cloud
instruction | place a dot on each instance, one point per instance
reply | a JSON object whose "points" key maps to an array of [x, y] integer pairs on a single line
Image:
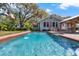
{"points": [[49, 11], [67, 5]]}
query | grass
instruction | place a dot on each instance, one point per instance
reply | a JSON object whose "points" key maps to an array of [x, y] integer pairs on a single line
{"points": [[3, 33]]}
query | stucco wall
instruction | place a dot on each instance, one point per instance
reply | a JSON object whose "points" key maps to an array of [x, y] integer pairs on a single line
{"points": [[47, 28], [64, 26], [51, 18]]}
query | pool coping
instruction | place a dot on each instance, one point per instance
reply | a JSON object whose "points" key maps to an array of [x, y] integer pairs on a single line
{"points": [[69, 37], [65, 35], [8, 37]]}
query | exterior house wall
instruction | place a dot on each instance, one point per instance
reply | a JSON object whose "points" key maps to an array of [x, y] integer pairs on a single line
{"points": [[64, 26], [42, 27], [51, 22]]}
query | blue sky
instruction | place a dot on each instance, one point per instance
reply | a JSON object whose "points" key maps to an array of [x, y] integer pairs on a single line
{"points": [[62, 9]]}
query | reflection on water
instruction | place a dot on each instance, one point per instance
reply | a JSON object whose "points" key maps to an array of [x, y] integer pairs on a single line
{"points": [[70, 52], [26, 37], [77, 51]]}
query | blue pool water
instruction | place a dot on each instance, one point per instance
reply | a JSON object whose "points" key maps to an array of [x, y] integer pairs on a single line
{"points": [[39, 44]]}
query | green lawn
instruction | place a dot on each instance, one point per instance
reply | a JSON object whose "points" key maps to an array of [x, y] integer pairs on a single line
{"points": [[3, 33]]}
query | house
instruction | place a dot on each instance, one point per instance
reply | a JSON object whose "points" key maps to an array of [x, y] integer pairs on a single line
{"points": [[70, 24], [51, 22]]}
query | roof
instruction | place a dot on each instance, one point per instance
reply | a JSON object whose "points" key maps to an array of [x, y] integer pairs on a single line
{"points": [[43, 19], [71, 18], [53, 15]]}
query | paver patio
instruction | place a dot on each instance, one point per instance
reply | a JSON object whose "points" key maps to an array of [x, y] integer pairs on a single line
{"points": [[67, 35]]}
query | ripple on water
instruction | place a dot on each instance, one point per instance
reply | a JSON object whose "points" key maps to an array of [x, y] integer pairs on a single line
{"points": [[70, 52], [26, 37], [1, 47], [77, 51]]}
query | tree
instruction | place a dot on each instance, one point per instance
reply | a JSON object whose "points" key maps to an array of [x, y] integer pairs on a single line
{"points": [[7, 24], [25, 11], [20, 13], [28, 25]]}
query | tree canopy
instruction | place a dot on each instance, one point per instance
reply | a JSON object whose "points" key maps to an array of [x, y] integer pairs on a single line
{"points": [[21, 12]]}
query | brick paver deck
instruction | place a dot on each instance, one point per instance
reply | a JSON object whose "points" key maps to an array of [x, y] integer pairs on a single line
{"points": [[67, 35], [72, 36]]}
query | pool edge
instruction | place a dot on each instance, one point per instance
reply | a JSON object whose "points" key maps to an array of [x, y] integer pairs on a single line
{"points": [[74, 39], [8, 37]]}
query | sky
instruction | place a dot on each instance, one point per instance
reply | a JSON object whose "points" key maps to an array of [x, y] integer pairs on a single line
{"points": [[62, 9]]}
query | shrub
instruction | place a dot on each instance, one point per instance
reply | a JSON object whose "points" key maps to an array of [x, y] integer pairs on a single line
{"points": [[28, 25]]}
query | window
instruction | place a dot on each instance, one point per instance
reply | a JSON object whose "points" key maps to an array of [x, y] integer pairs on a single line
{"points": [[53, 24], [47, 24], [56, 24], [44, 24]]}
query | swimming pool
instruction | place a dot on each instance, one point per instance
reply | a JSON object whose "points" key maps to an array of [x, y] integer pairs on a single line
{"points": [[39, 44]]}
